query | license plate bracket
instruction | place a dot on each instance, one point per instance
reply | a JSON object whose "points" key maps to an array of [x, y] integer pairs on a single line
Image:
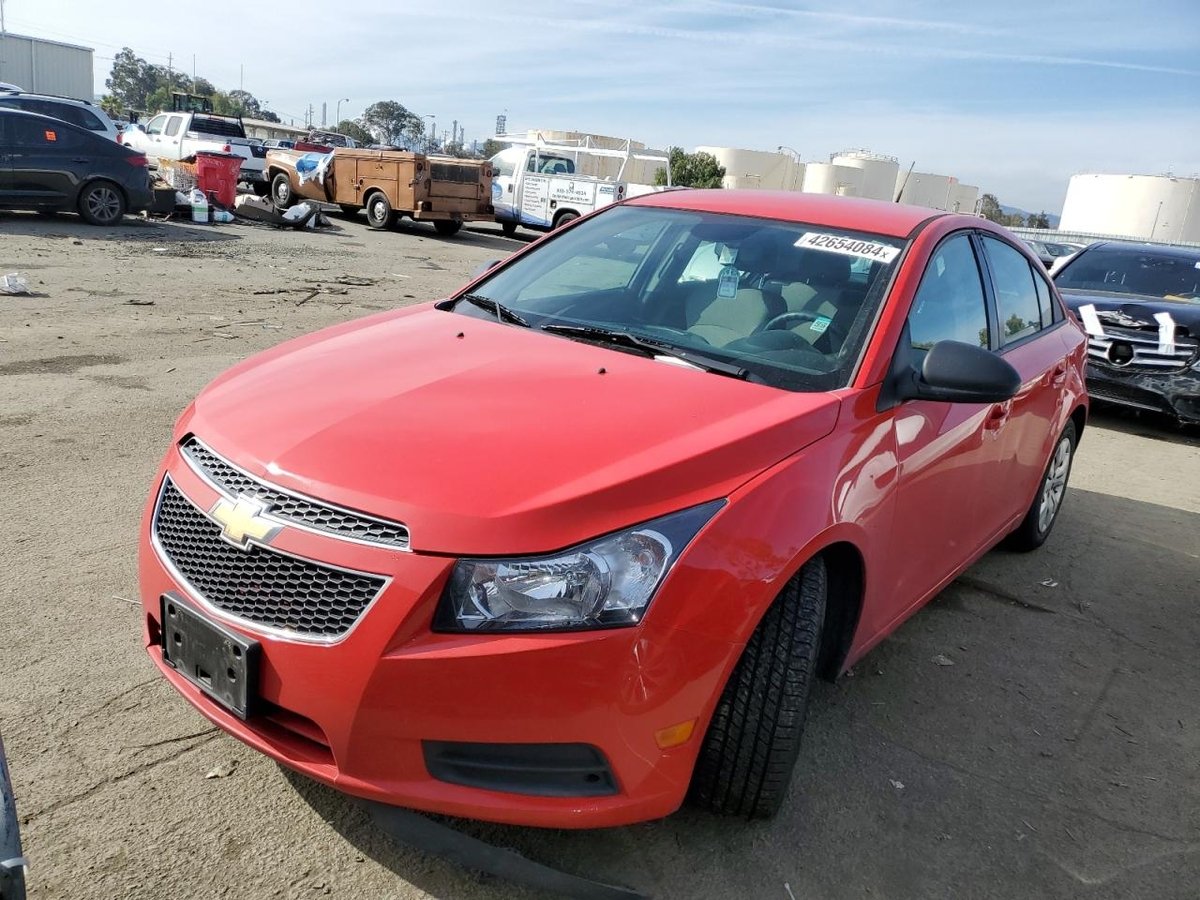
{"points": [[219, 661]]}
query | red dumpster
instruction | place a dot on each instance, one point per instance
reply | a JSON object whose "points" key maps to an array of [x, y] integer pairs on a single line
{"points": [[217, 175]]}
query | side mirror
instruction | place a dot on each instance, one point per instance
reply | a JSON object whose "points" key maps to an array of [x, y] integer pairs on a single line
{"points": [[953, 372]]}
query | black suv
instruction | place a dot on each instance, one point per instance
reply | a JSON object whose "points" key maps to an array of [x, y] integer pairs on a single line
{"points": [[49, 165]]}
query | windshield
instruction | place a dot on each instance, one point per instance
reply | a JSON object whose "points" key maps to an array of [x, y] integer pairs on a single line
{"points": [[791, 304], [1134, 270]]}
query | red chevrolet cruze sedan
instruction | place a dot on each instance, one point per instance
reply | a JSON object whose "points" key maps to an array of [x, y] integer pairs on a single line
{"points": [[572, 545]]}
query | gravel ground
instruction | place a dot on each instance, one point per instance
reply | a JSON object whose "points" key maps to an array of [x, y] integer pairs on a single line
{"points": [[1057, 757]]}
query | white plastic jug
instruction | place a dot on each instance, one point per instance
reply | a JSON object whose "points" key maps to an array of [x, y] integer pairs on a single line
{"points": [[199, 208]]}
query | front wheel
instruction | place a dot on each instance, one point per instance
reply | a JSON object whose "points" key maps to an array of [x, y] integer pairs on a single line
{"points": [[750, 748], [281, 191], [447, 227], [379, 211], [1040, 519], [509, 228], [102, 203]]}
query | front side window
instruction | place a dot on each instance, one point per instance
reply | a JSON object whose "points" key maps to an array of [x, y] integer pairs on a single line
{"points": [[1017, 307], [155, 125], [949, 305], [789, 304]]}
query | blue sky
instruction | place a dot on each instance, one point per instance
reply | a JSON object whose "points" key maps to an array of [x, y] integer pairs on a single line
{"points": [[1014, 97]]}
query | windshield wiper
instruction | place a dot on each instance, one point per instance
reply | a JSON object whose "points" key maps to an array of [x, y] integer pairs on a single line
{"points": [[648, 346], [502, 312]]}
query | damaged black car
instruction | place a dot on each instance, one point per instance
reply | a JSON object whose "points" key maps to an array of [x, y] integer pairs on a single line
{"points": [[1140, 305]]}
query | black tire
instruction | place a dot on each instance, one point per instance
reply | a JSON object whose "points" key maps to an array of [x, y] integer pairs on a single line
{"points": [[349, 210], [260, 188], [564, 217], [102, 203], [379, 211], [447, 227], [509, 228], [281, 192], [1052, 492], [750, 748]]}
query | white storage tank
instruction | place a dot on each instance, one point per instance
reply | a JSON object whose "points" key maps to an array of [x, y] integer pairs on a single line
{"points": [[826, 178], [878, 172], [1145, 207], [925, 189], [758, 169]]}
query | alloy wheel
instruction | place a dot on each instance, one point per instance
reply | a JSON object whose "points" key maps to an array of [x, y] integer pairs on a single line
{"points": [[1055, 484]]}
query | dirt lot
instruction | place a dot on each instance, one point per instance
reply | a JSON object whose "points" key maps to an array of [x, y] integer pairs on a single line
{"points": [[1059, 756]]}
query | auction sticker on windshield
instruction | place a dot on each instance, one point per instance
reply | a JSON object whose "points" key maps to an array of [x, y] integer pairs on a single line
{"points": [[836, 243]]}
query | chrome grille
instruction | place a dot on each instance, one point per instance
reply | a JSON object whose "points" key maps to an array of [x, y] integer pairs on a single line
{"points": [[292, 509], [1143, 347], [259, 585]]}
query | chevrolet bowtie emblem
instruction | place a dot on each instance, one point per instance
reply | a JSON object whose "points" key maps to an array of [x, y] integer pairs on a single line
{"points": [[244, 520]]}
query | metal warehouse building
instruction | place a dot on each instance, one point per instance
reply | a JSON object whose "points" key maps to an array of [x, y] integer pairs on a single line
{"points": [[46, 67], [1147, 207]]}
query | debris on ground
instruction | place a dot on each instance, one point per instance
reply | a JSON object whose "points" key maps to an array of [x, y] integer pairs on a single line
{"points": [[898, 785], [942, 660], [222, 770], [1049, 582], [14, 283]]}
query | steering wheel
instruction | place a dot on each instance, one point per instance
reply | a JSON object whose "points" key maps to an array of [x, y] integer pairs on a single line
{"points": [[788, 319]]}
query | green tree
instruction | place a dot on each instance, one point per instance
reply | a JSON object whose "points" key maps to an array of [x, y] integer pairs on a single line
{"points": [[392, 123], [131, 81], [698, 170], [1039, 220], [491, 147], [352, 129], [989, 208]]}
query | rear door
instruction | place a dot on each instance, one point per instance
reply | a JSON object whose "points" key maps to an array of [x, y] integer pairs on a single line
{"points": [[1026, 336], [48, 161]]}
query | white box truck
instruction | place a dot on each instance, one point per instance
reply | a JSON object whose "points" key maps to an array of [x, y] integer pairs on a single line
{"points": [[537, 184]]}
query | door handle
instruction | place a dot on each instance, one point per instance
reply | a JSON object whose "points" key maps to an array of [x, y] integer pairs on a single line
{"points": [[998, 415]]}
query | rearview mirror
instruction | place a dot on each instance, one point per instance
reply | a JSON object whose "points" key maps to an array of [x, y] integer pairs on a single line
{"points": [[953, 372]]}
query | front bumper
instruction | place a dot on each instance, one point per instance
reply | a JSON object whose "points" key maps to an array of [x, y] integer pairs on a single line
{"points": [[1176, 394], [361, 713]]}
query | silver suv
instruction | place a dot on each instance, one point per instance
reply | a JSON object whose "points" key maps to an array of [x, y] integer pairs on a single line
{"points": [[76, 112]]}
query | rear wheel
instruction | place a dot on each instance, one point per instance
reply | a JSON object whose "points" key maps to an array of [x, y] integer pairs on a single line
{"points": [[379, 211], [260, 188], [1038, 522], [281, 191], [750, 748], [564, 217], [447, 227], [102, 203], [509, 228]]}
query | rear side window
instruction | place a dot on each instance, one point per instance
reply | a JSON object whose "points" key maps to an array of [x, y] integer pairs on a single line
{"points": [[1045, 299], [173, 126], [949, 305], [1017, 305], [38, 134]]}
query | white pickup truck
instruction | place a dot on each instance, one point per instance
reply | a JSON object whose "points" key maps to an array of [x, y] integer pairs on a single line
{"points": [[179, 135], [537, 183]]}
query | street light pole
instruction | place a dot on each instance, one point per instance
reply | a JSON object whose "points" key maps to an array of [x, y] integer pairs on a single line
{"points": [[337, 115]]}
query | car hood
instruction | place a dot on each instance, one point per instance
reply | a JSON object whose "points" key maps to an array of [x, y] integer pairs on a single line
{"points": [[490, 439], [1135, 310]]}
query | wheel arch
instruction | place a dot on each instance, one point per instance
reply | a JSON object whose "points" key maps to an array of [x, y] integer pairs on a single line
{"points": [[845, 572], [1079, 417], [93, 179]]}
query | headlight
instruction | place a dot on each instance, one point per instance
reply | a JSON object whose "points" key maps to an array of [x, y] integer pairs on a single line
{"points": [[603, 583]]}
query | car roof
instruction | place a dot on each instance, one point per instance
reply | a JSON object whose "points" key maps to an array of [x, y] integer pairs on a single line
{"points": [[855, 213], [61, 99], [1187, 253]]}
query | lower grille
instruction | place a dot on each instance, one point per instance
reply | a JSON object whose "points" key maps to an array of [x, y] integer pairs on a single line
{"points": [[261, 586]]}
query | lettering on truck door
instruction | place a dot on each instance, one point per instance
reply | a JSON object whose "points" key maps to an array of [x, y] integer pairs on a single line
{"points": [[579, 196], [535, 200]]}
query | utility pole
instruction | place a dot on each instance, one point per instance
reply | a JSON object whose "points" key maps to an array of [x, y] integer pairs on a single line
{"points": [[3, 30], [170, 69], [242, 77], [193, 73], [324, 114], [454, 132]]}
